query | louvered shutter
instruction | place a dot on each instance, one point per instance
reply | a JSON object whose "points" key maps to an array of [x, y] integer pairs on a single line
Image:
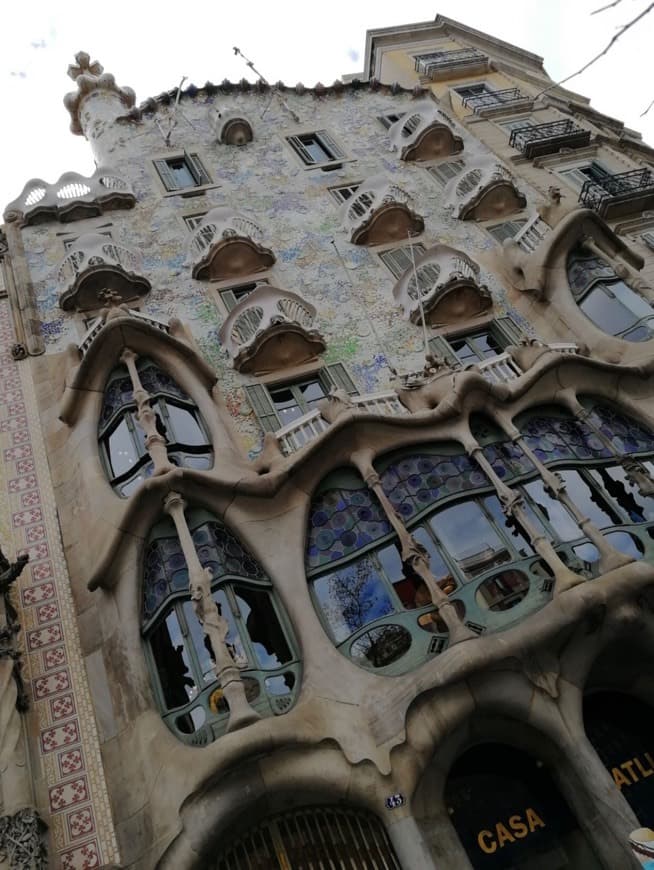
{"points": [[198, 171], [648, 238], [166, 174], [444, 172], [508, 330], [263, 407], [506, 230], [296, 143], [229, 298], [439, 346], [336, 151], [336, 375]]}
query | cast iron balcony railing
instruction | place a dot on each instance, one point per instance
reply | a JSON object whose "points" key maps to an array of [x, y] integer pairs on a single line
{"points": [[438, 62], [549, 138], [493, 100], [619, 194]]}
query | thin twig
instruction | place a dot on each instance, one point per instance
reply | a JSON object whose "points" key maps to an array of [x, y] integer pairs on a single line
{"points": [[647, 109], [608, 6]]}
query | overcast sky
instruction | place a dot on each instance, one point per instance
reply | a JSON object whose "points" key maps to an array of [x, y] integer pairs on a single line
{"points": [[150, 46]]}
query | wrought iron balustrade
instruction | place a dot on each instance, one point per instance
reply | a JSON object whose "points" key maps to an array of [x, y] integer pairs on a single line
{"points": [[493, 99], [428, 64], [540, 139], [614, 193]]}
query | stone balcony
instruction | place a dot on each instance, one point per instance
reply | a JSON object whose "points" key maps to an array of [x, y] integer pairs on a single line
{"points": [[311, 425], [484, 192], [96, 264], [444, 286], [271, 329], [537, 140], [422, 134], [227, 245], [440, 65], [231, 127], [380, 212], [511, 365], [619, 194], [73, 197]]}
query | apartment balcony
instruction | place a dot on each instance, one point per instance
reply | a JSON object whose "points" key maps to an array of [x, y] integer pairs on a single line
{"points": [[380, 212], [444, 287], [485, 192], [232, 128], [96, 264], [440, 65], [621, 194], [532, 234], [307, 428], [73, 197], [494, 101], [548, 138], [503, 368], [422, 134], [271, 329], [227, 244]]}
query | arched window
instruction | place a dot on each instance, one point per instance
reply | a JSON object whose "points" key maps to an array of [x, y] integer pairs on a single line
{"points": [[379, 613], [509, 814], [331, 836], [258, 639], [122, 441], [606, 300]]}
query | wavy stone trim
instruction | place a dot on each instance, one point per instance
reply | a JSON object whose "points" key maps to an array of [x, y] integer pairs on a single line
{"points": [[447, 286], [21, 841], [483, 192], [380, 212], [421, 134], [227, 244], [73, 197]]}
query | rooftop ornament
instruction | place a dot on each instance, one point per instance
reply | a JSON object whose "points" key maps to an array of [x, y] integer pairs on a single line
{"points": [[90, 78]]}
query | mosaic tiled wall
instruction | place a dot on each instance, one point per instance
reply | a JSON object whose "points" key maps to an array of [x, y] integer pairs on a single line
{"points": [[77, 809]]}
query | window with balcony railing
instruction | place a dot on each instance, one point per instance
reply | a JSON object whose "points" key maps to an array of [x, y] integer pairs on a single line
{"points": [[437, 61], [480, 97], [538, 139]]}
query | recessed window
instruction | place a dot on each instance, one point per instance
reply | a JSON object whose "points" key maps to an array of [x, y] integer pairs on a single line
{"points": [[400, 259], [388, 120], [344, 192], [71, 242], [507, 229], [577, 176], [277, 406], [231, 296], [316, 149], [478, 345], [184, 171], [193, 221], [516, 123], [444, 172]]}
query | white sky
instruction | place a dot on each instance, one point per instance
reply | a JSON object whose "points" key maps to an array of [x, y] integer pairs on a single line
{"points": [[151, 46]]}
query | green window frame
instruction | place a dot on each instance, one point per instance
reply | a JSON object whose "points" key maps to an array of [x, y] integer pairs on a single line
{"points": [[502, 330], [172, 169]]}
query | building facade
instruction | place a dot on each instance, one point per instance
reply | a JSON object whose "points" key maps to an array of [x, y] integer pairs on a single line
{"points": [[327, 430]]}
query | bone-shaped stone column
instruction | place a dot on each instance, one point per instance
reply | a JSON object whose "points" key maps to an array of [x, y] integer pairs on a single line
{"points": [[146, 417]]}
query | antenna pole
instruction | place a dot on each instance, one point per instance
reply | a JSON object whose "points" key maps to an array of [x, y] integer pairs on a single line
{"points": [[418, 291]]}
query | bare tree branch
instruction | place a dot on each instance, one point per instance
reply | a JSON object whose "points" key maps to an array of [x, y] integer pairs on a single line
{"points": [[608, 6], [647, 109], [606, 49]]}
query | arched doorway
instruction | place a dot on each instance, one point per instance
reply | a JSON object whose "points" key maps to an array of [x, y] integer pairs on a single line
{"points": [[509, 814], [311, 837], [621, 729]]}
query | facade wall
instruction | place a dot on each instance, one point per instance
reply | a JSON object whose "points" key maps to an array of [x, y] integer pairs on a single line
{"points": [[111, 780]]}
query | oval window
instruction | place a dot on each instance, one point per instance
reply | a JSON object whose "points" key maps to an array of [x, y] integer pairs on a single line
{"points": [[433, 621], [381, 646], [503, 591]]}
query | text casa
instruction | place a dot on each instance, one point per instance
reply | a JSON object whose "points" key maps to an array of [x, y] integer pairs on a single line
{"points": [[516, 828]]}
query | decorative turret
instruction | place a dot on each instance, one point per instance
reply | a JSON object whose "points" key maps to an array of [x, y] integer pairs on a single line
{"points": [[96, 103]]}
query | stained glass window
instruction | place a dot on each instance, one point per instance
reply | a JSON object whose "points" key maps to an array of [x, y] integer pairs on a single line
{"points": [[553, 439], [626, 435]]}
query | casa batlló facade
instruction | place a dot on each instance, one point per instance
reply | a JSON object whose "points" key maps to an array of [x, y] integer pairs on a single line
{"points": [[327, 432]]}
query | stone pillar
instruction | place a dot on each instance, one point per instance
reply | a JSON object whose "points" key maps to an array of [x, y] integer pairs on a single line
{"points": [[412, 553], [409, 845], [213, 623], [513, 506], [147, 418], [610, 558], [21, 291]]}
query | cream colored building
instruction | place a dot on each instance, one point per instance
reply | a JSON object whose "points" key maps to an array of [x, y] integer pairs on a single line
{"points": [[327, 424]]}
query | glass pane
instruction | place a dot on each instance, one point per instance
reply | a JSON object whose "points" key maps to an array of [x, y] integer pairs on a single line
{"points": [[315, 149], [381, 646], [464, 351], [285, 404], [626, 544], [631, 300], [559, 519], [173, 663], [503, 591], [352, 597], [468, 537], [606, 311], [181, 172], [614, 481], [588, 501], [121, 449], [439, 568], [486, 345], [201, 643], [519, 538], [311, 392], [281, 684], [185, 428], [263, 628]]}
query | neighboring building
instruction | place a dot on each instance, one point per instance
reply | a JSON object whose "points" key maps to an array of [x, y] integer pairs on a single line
{"points": [[370, 367]]}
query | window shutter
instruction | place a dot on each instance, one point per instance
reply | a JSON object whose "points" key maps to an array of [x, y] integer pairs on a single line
{"points": [[198, 171], [506, 230], [229, 299], [263, 408], [166, 174], [298, 146], [445, 172], [336, 150], [440, 346], [336, 375], [508, 330], [648, 238]]}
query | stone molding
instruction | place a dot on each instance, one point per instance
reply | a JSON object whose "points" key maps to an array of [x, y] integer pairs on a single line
{"points": [[380, 212], [422, 134], [231, 127], [227, 244], [484, 190]]}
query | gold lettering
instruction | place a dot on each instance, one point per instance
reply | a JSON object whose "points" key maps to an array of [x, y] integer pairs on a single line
{"points": [[619, 778], [629, 765], [650, 760], [503, 836], [488, 848], [518, 827], [644, 771], [534, 820]]}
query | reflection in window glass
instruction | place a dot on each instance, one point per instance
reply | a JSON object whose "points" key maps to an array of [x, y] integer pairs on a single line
{"points": [[468, 537], [614, 481], [554, 512], [586, 500], [263, 627], [185, 428], [173, 666], [438, 566], [122, 452], [351, 597]]}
